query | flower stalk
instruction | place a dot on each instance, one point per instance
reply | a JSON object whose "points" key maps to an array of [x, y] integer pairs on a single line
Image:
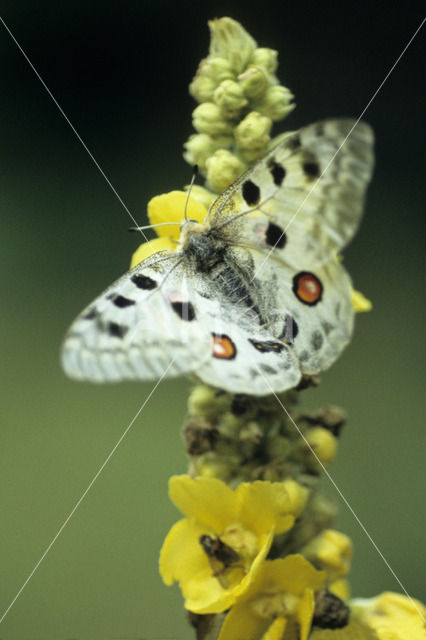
{"points": [[255, 554]]}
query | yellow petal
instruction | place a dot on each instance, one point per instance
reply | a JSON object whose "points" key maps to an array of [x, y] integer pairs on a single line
{"points": [[263, 505], [292, 574], [305, 612], [207, 596], [182, 557], [392, 616], [243, 623], [208, 500], [340, 588], [170, 207], [276, 630], [360, 303], [147, 249]]}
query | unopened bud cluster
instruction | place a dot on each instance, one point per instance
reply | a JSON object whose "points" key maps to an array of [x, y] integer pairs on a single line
{"points": [[240, 97]]}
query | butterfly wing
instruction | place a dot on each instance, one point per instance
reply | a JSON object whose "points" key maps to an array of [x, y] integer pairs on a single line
{"points": [[303, 200], [164, 316], [245, 357], [279, 227], [310, 310], [139, 328], [292, 212]]}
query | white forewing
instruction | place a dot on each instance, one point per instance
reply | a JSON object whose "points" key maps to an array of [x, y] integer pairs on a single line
{"points": [[311, 186]]}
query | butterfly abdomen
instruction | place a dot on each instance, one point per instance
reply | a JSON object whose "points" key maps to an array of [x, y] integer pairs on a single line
{"points": [[213, 257]]}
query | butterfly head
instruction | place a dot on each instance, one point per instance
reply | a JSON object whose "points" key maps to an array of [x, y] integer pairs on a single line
{"points": [[189, 229]]}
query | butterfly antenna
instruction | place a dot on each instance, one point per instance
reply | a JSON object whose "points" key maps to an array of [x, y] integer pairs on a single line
{"points": [[152, 226], [194, 175]]}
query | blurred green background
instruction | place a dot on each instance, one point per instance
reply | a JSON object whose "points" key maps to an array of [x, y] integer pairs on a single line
{"points": [[120, 72]]}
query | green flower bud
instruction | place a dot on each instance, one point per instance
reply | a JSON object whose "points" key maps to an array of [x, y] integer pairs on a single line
{"points": [[251, 433], [219, 70], [208, 467], [202, 88], [252, 135], [265, 58], [330, 551], [318, 450], [222, 169], [276, 102], [229, 98], [207, 118], [207, 401], [210, 73], [231, 41], [278, 447], [254, 81], [198, 148]]}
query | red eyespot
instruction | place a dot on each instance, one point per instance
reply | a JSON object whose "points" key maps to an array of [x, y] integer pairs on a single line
{"points": [[307, 287], [223, 347]]}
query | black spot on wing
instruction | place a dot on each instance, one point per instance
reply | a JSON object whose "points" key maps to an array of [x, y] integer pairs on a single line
{"points": [[266, 346], [267, 369], [304, 356], [327, 327], [311, 170], [185, 310], [143, 282], [117, 330], [319, 129], [317, 340], [251, 193], [277, 172], [91, 314], [275, 236], [294, 143], [121, 302]]}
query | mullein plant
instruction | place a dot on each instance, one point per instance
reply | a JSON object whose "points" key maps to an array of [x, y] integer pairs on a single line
{"points": [[255, 553]]}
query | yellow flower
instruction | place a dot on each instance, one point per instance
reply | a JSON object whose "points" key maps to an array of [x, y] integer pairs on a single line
{"points": [[215, 551], [392, 616], [359, 302], [282, 593], [163, 209]]}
